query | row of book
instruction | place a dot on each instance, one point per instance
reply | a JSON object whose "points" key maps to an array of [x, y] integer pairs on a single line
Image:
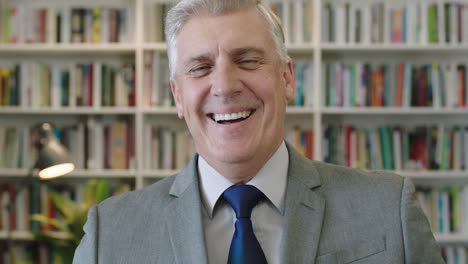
{"points": [[302, 140], [411, 22], [296, 17], [37, 253], [38, 85], [454, 254], [104, 144], [305, 84], [155, 13], [27, 24], [437, 147], [167, 148], [404, 84], [446, 208], [92, 143], [19, 204], [157, 89]]}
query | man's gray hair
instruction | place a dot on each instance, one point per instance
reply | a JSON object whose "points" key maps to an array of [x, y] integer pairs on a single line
{"points": [[178, 16]]}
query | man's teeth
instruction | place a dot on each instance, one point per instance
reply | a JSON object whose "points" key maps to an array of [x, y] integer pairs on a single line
{"points": [[233, 116]]}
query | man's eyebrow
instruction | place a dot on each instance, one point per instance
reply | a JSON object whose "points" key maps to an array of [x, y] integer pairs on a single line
{"points": [[195, 59], [247, 50]]}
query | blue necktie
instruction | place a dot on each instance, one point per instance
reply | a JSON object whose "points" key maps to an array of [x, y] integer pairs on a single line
{"points": [[245, 248]]}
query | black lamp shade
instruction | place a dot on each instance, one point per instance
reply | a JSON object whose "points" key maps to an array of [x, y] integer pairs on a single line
{"points": [[53, 160]]}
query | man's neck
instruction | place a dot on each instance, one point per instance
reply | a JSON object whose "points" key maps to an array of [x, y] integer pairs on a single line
{"points": [[243, 172]]}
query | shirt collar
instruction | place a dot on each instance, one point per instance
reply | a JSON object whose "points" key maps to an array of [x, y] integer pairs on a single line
{"points": [[271, 180]]}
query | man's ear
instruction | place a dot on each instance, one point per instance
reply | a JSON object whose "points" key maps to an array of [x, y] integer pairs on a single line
{"points": [[177, 98], [289, 76]]}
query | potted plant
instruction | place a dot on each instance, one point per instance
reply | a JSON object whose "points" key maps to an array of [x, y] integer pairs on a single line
{"points": [[72, 218]]}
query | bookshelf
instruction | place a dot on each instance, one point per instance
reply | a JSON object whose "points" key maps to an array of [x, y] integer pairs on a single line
{"points": [[313, 46]]}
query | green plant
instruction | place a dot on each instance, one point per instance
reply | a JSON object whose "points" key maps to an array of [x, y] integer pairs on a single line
{"points": [[72, 218]]}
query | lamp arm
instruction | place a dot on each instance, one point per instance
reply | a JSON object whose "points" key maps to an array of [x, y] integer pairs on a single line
{"points": [[25, 181]]}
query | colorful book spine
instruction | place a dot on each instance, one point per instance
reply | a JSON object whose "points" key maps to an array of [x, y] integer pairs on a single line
{"points": [[397, 23], [398, 147], [404, 84]]}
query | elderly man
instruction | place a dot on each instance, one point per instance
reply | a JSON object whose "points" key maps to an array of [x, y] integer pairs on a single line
{"points": [[247, 196]]}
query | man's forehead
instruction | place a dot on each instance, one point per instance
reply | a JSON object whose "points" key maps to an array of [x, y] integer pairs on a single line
{"points": [[245, 22], [210, 39]]}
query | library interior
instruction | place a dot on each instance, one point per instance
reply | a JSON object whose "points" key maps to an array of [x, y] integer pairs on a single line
{"points": [[381, 85]]}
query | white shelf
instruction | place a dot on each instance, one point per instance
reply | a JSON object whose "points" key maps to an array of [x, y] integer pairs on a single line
{"points": [[393, 111], [68, 48], [7, 172], [335, 47], [292, 48], [159, 46], [435, 175], [158, 174], [299, 110], [25, 235], [436, 178], [15, 110], [452, 238], [306, 48], [170, 110], [122, 174]]}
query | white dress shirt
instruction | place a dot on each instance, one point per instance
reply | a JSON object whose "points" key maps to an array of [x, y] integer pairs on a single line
{"points": [[267, 216]]}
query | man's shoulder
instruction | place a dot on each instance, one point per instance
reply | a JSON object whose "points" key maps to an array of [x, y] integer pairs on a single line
{"points": [[340, 177], [359, 189], [155, 195], [332, 172], [331, 176]]}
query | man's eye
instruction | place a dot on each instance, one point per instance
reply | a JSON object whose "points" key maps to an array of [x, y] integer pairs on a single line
{"points": [[249, 61], [249, 64], [200, 71], [200, 68]]}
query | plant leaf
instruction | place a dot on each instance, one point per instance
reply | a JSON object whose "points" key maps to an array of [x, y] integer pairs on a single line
{"points": [[64, 205], [52, 238], [50, 221], [102, 191], [89, 195]]}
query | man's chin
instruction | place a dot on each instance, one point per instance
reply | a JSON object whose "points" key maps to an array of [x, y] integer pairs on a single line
{"points": [[229, 157]]}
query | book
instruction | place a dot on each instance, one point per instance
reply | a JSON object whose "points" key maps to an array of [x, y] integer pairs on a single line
{"points": [[118, 146]]}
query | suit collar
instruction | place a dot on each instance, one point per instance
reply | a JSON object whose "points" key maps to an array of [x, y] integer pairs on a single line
{"points": [[304, 211], [302, 169], [184, 217], [186, 178], [271, 180]]}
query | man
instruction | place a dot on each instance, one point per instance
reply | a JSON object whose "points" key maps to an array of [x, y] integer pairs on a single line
{"points": [[231, 79]]}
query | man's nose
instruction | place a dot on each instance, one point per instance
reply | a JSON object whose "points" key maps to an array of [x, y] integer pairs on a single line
{"points": [[225, 80]]}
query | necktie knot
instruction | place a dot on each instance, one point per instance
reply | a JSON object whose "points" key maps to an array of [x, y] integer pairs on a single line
{"points": [[243, 199]]}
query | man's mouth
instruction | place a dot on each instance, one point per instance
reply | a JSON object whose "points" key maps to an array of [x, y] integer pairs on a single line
{"points": [[232, 117]]}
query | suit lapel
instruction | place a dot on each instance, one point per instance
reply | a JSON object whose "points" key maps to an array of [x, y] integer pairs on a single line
{"points": [[184, 217], [303, 211]]}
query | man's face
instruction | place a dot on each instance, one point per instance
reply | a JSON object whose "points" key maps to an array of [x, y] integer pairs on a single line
{"points": [[232, 88]]}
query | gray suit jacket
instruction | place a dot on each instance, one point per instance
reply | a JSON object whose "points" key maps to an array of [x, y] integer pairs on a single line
{"points": [[332, 214]]}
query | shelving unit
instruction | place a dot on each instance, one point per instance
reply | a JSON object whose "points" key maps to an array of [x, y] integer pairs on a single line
{"points": [[317, 51]]}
